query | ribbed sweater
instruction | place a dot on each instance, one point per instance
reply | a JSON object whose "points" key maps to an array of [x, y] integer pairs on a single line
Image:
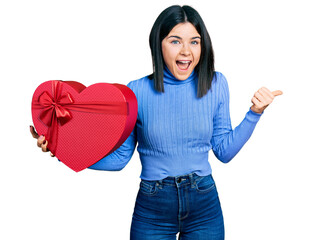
{"points": [[175, 130]]}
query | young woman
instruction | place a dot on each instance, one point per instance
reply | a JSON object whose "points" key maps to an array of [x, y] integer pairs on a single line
{"points": [[183, 112]]}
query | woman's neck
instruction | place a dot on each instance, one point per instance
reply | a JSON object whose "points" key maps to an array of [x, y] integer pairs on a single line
{"points": [[171, 79]]}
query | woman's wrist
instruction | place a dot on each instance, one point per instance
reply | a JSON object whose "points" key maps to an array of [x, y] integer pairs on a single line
{"points": [[258, 111]]}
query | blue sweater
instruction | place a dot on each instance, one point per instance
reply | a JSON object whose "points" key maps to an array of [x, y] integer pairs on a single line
{"points": [[175, 130]]}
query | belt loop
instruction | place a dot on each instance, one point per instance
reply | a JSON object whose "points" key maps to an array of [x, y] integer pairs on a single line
{"points": [[159, 184], [191, 176]]}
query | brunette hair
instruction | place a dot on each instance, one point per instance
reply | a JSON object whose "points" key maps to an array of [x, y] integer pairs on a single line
{"points": [[165, 22]]}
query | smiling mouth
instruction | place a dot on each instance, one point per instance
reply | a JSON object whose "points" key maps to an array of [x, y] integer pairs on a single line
{"points": [[183, 65]]}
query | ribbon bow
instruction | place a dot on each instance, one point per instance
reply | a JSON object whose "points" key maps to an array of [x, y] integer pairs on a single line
{"points": [[54, 108]]}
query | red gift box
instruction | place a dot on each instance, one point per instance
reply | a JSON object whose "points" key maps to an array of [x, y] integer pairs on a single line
{"points": [[83, 124]]}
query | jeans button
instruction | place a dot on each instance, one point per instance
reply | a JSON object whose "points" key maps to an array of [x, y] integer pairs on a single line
{"points": [[179, 180]]}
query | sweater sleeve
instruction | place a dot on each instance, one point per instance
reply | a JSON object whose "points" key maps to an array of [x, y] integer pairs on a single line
{"points": [[118, 159], [226, 142]]}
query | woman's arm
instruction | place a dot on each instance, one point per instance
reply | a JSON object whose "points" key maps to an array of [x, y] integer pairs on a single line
{"points": [[226, 143], [118, 159]]}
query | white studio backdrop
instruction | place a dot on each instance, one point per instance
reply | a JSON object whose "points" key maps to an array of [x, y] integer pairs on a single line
{"points": [[264, 191]]}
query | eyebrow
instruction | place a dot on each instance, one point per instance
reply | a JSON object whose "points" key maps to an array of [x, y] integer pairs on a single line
{"points": [[173, 36]]}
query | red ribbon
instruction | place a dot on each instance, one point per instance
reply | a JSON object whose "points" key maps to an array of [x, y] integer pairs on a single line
{"points": [[55, 110]]}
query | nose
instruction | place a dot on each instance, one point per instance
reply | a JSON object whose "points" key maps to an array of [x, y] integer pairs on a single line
{"points": [[185, 50]]}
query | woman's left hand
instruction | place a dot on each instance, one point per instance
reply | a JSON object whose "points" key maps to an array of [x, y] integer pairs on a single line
{"points": [[263, 98]]}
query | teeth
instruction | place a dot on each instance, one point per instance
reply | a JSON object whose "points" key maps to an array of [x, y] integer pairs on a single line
{"points": [[184, 61]]}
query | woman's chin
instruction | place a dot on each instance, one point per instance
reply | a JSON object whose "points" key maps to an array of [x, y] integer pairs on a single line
{"points": [[182, 74]]}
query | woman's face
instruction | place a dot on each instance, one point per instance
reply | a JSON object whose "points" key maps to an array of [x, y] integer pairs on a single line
{"points": [[181, 50]]}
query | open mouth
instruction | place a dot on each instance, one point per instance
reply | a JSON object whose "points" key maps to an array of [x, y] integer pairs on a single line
{"points": [[183, 65]]}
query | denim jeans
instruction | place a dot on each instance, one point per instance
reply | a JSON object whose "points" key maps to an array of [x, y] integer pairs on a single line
{"points": [[188, 205]]}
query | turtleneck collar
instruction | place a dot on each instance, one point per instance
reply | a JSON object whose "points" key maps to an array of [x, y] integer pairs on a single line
{"points": [[170, 79]]}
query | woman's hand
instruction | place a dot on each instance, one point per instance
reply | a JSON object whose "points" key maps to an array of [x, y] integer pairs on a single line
{"points": [[41, 142], [263, 98]]}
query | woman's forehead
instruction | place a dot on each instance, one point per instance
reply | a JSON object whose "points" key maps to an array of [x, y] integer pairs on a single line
{"points": [[184, 30]]}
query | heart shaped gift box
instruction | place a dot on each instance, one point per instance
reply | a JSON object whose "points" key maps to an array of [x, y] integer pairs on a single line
{"points": [[83, 124]]}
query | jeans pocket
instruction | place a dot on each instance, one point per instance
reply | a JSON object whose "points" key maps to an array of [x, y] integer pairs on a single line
{"points": [[148, 188], [204, 184]]}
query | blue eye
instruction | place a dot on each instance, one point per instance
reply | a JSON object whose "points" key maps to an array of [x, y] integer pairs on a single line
{"points": [[194, 42], [175, 42]]}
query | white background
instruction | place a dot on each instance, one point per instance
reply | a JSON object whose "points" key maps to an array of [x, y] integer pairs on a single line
{"points": [[265, 191]]}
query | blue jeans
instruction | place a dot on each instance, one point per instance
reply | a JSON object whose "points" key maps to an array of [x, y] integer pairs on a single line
{"points": [[188, 205]]}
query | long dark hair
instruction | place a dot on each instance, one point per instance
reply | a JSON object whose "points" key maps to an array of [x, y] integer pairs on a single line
{"points": [[165, 22]]}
